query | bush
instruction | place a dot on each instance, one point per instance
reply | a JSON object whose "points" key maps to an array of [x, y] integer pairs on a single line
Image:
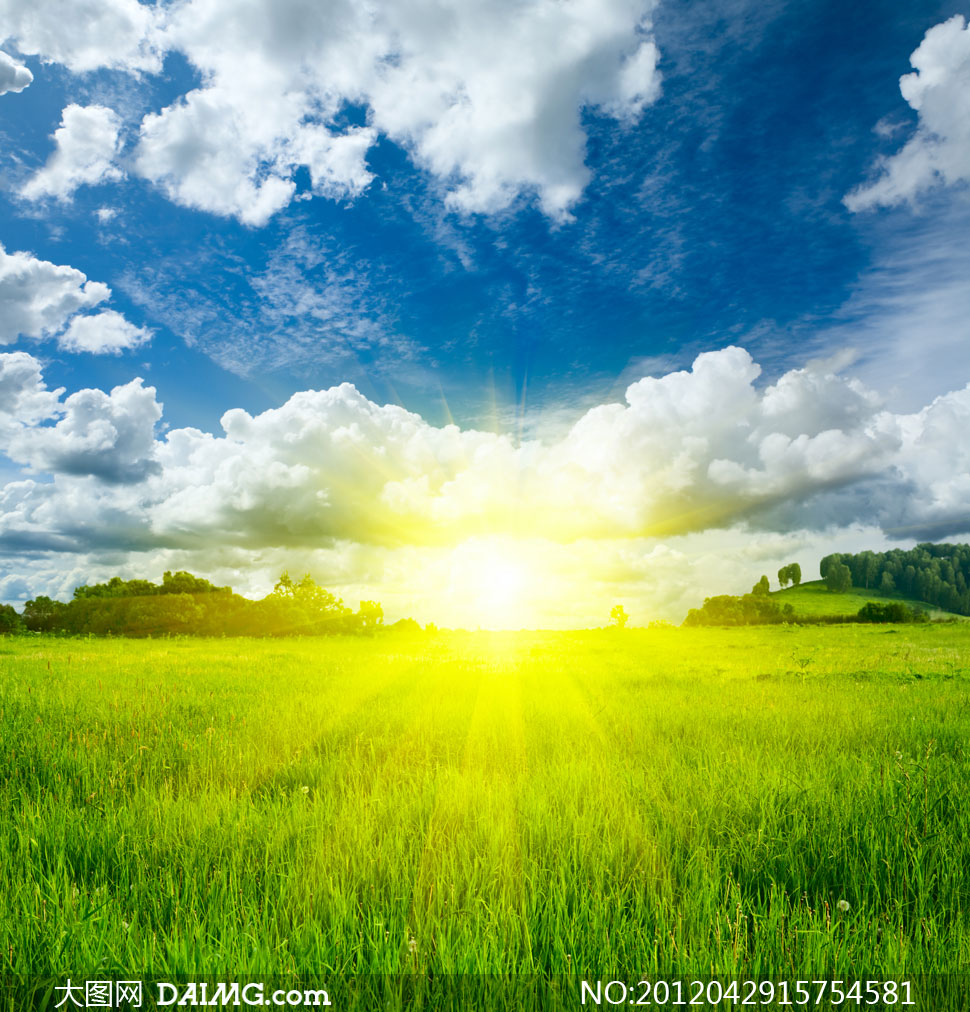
{"points": [[749, 609], [893, 611]]}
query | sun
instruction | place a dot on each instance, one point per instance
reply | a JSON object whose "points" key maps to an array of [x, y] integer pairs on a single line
{"points": [[489, 582], [502, 581]]}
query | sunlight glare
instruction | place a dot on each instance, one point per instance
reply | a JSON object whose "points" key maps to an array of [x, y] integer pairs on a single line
{"points": [[494, 585]]}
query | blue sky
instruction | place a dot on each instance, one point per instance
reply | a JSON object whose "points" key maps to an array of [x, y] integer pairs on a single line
{"points": [[497, 217]]}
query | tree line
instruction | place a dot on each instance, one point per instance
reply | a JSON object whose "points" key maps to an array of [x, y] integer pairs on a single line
{"points": [[938, 574], [184, 604]]}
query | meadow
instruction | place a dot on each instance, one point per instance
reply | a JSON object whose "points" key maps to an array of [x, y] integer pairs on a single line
{"points": [[753, 802]]}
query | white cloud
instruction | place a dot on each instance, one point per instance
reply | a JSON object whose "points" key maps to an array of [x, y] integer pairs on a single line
{"points": [[24, 397], [688, 452], [14, 76], [108, 436], [939, 150], [210, 153], [104, 333], [86, 147], [85, 34], [336, 162], [935, 459], [490, 94], [699, 482], [37, 298], [486, 95]]}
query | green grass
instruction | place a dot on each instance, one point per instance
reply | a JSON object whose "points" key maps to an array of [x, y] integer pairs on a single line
{"points": [[814, 598], [668, 802]]}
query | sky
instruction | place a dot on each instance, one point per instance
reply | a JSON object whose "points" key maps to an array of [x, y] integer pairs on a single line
{"points": [[500, 312]]}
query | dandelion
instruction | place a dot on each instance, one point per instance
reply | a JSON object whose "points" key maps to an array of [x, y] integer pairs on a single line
{"points": [[305, 789], [843, 905]]}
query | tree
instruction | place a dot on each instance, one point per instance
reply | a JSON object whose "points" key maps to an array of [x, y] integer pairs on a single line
{"points": [[10, 621], [838, 577], [792, 573], [42, 614], [868, 568], [182, 582], [177, 583], [370, 615], [304, 606], [826, 563], [762, 588], [887, 585], [408, 625], [308, 593], [618, 616], [750, 609]]}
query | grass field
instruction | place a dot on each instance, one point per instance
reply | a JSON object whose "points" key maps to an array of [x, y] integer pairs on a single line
{"points": [[667, 802]]}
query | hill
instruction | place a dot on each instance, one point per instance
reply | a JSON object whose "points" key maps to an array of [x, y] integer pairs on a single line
{"points": [[814, 598]]}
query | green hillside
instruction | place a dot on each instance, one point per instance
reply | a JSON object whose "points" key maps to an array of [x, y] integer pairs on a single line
{"points": [[814, 598]]}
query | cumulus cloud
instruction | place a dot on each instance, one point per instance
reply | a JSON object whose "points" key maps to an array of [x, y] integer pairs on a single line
{"points": [[487, 95], [39, 299], [935, 461], [233, 148], [700, 479], [207, 153], [86, 147], [106, 436], [85, 34], [104, 333], [939, 150], [687, 452], [14, 76], [24, 397]]}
